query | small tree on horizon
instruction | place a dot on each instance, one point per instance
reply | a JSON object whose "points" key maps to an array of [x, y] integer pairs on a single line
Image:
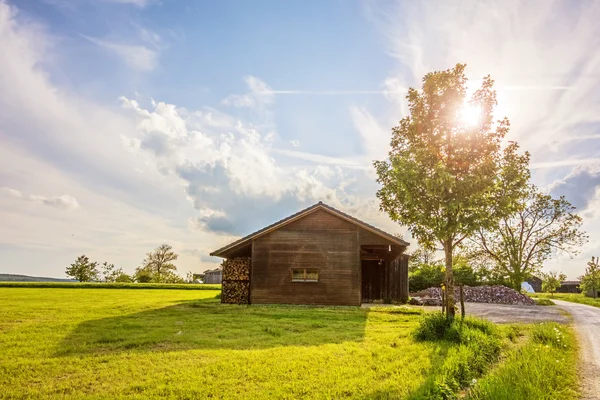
{"points": [[110, 273], [551, 281], [159, 263], [590, 281], [446, 178], [83, 270]]}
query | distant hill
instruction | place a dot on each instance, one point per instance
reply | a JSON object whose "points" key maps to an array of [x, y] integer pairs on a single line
{"points": [[26, 278]]}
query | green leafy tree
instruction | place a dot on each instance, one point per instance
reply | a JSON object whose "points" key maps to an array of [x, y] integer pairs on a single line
{"points": [[421, 255], [551, 281], [446, 177], [110, 273], [464, 274], [171, 277], [539, 230], [590, 282], [425, 276], [123, 278], [143, 275], [159, 263], [83, 269]]}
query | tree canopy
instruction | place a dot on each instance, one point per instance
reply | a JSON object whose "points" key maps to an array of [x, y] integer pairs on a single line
{"points": [[83, 269], [446, 178], [520, 243], [590, 281], [158, 264], [552, 280]]}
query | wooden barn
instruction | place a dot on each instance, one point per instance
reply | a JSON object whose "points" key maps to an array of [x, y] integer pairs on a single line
{"points": [[318, 256], [213, 276]]}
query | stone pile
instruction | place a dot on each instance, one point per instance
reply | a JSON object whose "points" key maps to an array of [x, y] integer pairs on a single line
{"points": [[476, 294]]}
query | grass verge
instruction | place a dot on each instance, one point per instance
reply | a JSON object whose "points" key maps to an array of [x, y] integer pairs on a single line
{"points": [[542, 368], [105, 285], [572, 297], [477, 346], [544, 302]]}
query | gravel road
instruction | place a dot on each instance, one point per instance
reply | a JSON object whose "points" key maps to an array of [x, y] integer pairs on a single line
{"points": [[587, 323]]}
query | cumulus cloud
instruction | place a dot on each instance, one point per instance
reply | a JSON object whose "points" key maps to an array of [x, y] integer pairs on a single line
{"points": [[260, 95], [580, 186], [229, 170], [137, 57]]}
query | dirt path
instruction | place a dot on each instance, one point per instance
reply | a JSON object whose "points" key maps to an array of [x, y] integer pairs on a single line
{"points": [[587, 324]]}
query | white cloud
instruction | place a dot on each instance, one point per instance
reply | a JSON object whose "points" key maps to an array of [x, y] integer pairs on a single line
{"points": [[64, 202], [12, 192], [260, 95], [295, 143], [137, 57]]}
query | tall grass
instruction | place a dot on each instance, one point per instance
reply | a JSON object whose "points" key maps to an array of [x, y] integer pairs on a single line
{"points": [[105, 285], [544, 368], [478, 346]]}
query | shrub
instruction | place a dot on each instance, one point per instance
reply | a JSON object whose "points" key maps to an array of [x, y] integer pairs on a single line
{"points": [[544, 302], [435, 326], [477, 345]]}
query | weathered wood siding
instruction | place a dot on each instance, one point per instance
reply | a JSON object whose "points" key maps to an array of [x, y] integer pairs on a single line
{"points": [[387, 282], [369, 238], [213, 277], [319, 240]]}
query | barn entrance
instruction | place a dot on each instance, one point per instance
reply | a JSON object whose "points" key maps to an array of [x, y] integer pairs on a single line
{"points": [[384, 274]]}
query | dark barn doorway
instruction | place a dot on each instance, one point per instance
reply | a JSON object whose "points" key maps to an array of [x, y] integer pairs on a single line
{"points": [[384, 275]]}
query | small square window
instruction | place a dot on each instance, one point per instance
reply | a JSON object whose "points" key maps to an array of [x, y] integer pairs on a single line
{"points": [[305, 275]]}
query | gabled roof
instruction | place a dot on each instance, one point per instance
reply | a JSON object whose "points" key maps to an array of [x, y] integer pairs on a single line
{"points": [[319, 206]]}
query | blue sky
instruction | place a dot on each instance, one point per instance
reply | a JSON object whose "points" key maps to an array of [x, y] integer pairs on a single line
{"points": [[129, 123]]}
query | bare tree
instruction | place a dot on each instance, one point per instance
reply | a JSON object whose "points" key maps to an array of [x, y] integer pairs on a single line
{"points": [[159, 262]]}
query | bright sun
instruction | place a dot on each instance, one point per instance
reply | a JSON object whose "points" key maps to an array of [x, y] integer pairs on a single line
{"points": [[469, 115]]}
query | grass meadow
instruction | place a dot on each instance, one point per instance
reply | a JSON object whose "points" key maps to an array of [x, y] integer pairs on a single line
{"points": [[572, 297], [132, 343]]}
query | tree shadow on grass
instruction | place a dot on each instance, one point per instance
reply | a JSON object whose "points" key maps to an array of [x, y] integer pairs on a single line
{"points": [[207, 324]]}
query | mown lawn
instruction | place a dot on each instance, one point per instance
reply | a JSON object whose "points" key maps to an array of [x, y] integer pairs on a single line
{"points": [[133, 343], [572, 297], [100, 343]]}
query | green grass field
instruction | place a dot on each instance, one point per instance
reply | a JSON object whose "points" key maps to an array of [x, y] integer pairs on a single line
{"points": [[131, 343], [572, 297]]}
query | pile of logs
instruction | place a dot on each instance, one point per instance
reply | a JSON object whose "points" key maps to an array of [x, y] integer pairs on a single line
{"points": [[235, 292], [236, 281], [477, 294], [236, 269]]}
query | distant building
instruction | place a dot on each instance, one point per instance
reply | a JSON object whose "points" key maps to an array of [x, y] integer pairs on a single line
{"points": [[213, 276], [569, 287], [565, 287], [536, 283]]}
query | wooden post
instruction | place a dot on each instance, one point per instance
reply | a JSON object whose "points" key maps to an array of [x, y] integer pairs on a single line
{"points": [[462, 301], [443, 298]]}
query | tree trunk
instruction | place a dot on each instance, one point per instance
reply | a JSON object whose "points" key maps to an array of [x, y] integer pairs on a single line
{"points": [[449, 281]]}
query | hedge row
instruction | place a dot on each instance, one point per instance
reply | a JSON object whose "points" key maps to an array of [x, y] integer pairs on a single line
{"points": [[105, 285]]}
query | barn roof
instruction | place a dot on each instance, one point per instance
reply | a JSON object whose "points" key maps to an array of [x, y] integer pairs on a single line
{"points": [[319, 206]]}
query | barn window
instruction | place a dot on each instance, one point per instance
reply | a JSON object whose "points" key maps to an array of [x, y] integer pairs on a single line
{"points": [[305, 275]]}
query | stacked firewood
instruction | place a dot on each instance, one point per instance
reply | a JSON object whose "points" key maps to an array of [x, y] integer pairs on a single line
{"points": [[236, 281], [235, 292], [236, 269]]}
